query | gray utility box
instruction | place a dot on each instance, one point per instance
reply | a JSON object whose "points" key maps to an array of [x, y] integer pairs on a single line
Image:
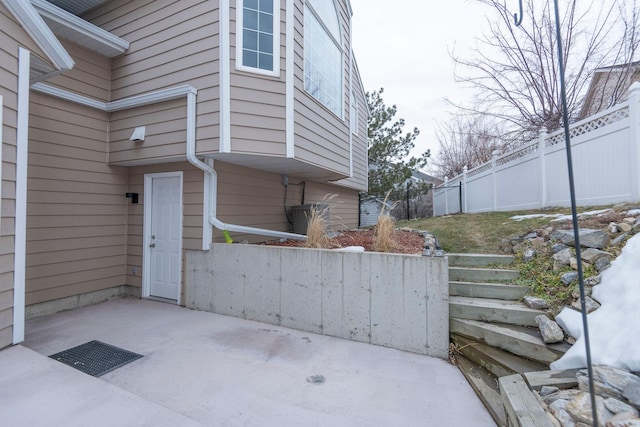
{"points": [[301, 213]]}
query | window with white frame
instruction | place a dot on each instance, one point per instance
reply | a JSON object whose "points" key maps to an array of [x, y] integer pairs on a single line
{"points": [[322, 54], [354, 114], [258, 36]]}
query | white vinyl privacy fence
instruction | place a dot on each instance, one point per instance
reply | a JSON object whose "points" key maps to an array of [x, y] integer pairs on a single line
{"points": [[605, 150]]}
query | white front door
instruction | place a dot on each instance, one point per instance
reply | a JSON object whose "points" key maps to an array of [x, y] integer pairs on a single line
{"points": [[163, 235]]}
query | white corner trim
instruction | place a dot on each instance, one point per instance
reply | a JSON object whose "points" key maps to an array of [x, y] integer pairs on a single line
{"points": [[22, 152], [290, 87], [121, 104], [225, 78], [113, 44], [1, 146], [40, 32], [351, 100]]}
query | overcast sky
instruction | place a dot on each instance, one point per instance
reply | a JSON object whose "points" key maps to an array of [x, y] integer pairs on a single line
{"points": [[403, 46]]}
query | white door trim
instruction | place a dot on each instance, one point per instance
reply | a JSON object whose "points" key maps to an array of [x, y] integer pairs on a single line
{"points": [[146, 238]]}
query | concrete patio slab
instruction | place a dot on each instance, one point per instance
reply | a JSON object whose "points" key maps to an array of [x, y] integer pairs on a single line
{"points": [[203, 368]]}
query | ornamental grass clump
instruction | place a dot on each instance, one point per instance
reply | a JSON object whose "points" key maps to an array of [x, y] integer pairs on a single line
{"points": [[317, 225], [384, 231]]}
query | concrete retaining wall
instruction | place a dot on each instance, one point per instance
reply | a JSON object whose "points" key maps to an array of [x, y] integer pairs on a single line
{"points": [[398, 301]]}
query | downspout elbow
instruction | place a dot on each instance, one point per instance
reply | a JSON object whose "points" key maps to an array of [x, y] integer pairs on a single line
{"points": [[212, 176]]}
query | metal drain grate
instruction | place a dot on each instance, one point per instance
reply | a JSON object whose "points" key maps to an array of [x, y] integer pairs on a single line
{"points": [[95, 358]]}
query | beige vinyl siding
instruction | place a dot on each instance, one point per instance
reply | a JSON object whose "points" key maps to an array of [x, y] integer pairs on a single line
{"points": [[255, 198], [251, 197], [258, 124], [193, 188], [172, 43], [8, 79], [321, 137], [359, 180], [165, 133], [343, 203], [90, 76], [12, 36], [76, 210], [258, 102]]}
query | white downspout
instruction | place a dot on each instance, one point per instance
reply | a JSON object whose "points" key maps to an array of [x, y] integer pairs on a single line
{"points": [[212, 176]]}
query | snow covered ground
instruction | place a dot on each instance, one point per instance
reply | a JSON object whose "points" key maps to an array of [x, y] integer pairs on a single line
{"points": [[614, 328], [563, 217]]}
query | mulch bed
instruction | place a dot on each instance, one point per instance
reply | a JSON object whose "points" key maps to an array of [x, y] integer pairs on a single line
{"points": [[406, 242]]}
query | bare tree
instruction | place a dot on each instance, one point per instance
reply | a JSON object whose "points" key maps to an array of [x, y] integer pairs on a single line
{"points": [[514, 69], [466, 140]]}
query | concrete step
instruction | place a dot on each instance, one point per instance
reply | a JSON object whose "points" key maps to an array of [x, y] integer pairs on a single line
{"points": [[521, 341], [479, 260], [492, 310], [488, 290], [468, 274], [486, 387], [499, 362]]}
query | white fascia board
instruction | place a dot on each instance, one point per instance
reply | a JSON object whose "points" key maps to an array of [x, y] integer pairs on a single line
{"points": [[122, 104], [40, 32], [107, 43]]}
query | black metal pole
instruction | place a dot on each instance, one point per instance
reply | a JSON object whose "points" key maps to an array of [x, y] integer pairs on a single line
{"points": [[574, 215], [460, 197]]}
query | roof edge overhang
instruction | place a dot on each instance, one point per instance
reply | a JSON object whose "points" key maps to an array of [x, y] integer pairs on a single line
{"points": [[39, 31], [79, 31]]}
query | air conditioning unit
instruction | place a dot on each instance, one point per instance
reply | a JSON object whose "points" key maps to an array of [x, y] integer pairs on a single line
{"points": [[301, 213]]}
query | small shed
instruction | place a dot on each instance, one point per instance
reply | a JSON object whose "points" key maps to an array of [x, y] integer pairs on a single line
{"points": [[370, 209]]}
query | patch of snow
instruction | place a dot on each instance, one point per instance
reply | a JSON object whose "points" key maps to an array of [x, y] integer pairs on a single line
{"points": [[614, 329], [582, 215], [595, 213], [521, 217], [633, 212]]}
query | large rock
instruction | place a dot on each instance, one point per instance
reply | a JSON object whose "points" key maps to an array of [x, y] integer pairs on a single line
{"points": [[602, 264], [569, 277], [612, 382], [528, 255], [591, 255], [588, 237], [550, 331], [623, 420], [618, 407], [580, 409], [624, 227], [535, 302], [589, 304], [563, 257]]}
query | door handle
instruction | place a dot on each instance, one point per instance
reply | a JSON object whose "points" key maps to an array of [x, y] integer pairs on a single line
{"points": [[153, 245]]}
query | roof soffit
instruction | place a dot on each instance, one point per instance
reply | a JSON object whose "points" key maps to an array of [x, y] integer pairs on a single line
{"points": [[79, 31]]}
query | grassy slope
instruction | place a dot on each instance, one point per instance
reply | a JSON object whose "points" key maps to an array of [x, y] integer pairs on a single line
{"points": [[477, 233]]}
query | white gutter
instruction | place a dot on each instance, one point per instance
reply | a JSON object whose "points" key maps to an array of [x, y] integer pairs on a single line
{"points": [[212, 177]]}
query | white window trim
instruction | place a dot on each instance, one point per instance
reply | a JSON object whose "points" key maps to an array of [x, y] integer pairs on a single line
{"points": [[276, 41], [338, 44]]}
